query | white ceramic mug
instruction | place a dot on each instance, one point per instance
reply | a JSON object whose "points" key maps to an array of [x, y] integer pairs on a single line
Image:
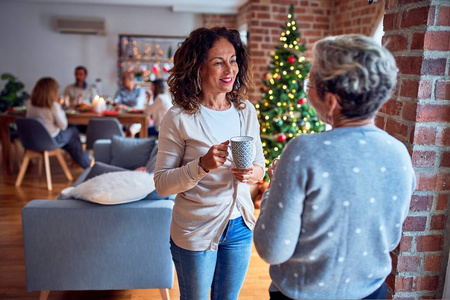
{"points": [[242, 151]]}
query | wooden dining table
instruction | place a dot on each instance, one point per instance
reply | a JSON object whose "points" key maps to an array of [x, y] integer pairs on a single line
{"points": [[78, 118]]}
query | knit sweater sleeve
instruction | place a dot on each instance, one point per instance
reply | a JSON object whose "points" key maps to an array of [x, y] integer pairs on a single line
{"points": [[170, 176], [278, 226]]}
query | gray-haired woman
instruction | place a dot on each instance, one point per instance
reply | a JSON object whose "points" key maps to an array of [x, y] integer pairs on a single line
{"points": [[338, 199]]}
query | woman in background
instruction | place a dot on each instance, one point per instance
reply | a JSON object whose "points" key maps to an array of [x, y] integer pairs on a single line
{"points": [[44, 105], [162, 101], [338, 199], [211, 230]]}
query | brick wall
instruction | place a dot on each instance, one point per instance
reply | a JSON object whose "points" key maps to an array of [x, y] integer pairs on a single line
{"points": [[419, 114], [351, 16], [316, 19], [211, 20], [264, 22]]}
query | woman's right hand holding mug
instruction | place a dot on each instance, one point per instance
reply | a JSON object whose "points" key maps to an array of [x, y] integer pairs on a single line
{"points": [[215, 157]]}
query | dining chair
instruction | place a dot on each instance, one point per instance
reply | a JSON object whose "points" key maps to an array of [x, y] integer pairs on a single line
{"points": [[38, 142], [102, 128]]}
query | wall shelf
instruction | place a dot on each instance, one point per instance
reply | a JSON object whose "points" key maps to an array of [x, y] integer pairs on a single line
{"points": [[149, 57]]}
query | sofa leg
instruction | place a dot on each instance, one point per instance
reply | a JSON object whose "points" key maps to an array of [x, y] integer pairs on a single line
{"points": [[164, 294], [44, 295]]}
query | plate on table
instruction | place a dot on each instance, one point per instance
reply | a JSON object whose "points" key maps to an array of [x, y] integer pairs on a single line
{"points": [[71, 112], [16, 110], [110, 112], [83, 107], [135, 111]]}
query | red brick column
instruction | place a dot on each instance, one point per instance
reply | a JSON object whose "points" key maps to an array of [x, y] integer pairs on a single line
{"points": [[419, 114], [211, 20], [350, 16]]}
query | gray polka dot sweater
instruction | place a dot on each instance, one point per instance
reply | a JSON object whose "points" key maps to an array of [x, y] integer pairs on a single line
{"points": [[333, 213]]}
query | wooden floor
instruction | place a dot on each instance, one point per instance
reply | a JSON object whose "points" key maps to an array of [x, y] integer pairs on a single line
{"points": [[12, 263]]}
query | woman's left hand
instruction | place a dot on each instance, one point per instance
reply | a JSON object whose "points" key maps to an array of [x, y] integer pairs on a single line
{"points": [[244, 175]]}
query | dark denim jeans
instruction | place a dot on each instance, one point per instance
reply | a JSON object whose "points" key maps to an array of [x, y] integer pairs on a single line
{"points": [[223, 271], [72, 144]]}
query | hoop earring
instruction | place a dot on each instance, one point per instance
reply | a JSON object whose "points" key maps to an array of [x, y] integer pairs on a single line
{"points": [[198, 84]]}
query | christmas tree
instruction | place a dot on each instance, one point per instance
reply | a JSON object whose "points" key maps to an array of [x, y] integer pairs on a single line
{"points": [[284, 111]]}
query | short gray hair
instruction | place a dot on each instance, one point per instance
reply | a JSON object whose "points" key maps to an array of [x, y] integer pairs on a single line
{"points": [[356, 68]]}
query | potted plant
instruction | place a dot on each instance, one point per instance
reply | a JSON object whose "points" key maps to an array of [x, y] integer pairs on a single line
{"points": [[13, 93]]}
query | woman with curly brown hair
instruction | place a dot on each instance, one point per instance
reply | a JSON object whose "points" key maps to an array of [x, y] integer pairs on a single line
{"points": [[212, 222]]}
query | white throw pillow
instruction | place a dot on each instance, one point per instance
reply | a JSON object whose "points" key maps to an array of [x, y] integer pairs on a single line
{"points": [[113, 188]]}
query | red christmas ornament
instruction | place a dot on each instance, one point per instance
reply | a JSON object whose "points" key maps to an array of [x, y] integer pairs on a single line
{"points": [[282, 138], [155, 69], [279, 76], [291, 59], [302, 101]]}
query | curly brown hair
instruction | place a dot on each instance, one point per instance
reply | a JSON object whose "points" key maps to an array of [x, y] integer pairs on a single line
{"points": [[184, 79]]}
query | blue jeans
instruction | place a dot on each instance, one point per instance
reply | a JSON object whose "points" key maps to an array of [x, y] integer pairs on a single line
{"points": [[72, 144], [223, 271]]}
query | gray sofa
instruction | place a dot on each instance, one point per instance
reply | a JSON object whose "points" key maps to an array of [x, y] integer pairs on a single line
{"points": [[78, 245]]}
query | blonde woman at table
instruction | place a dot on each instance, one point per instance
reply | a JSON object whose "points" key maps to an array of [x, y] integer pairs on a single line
{"points": [[211, 230], [44, 105]]}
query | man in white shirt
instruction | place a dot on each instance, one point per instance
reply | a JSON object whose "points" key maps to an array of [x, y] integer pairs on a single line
{"points": [[80, 91]]}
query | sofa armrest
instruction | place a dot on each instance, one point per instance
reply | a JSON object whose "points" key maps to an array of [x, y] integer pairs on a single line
{"points": [[102, 151], [78, 245]]}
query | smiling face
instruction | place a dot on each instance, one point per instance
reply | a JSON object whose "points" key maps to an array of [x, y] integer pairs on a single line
{"points": [[221, 68]]}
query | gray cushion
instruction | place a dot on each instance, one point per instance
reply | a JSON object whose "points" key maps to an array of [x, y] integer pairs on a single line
{"points": [[152, 160], [130, 153], [100, 168]]}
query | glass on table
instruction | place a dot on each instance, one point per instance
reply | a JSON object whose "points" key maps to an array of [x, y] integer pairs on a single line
{"points": [[64, 102]]}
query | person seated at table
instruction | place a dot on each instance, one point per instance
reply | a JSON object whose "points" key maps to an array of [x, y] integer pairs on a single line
{"points": [[44, 105], [162, 101], [80, 91], [130, 95]]}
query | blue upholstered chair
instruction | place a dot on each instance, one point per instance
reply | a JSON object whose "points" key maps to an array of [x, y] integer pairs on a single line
{"points": [[102, 128], [38, 142]]}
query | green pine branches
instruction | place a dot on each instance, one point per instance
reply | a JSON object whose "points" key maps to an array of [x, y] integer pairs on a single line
{"points": [[283, 111]]}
